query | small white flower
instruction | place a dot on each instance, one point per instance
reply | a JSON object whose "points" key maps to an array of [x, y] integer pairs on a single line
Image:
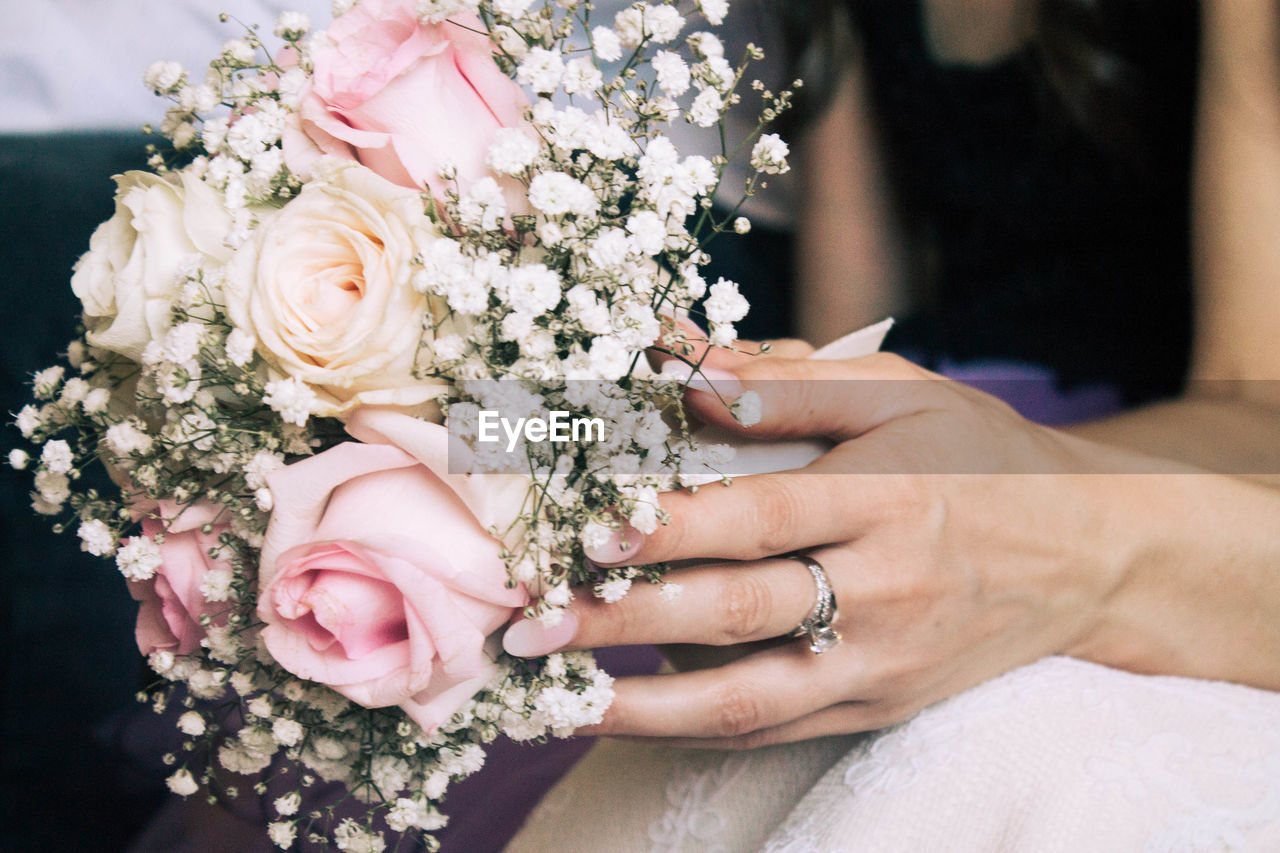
{"points": [[557, 596], [287, 732], [541, 70], [161, 662], [97, 401], [54, 489], [670, 591], [288, 804], [606, 43], [511, 8], [282, 833], [705, 110], [216, 585], [28, 421], [192, 724], [240, 52], [74, 392], [613, 590], [263, 463], [725, 304], [484, 205], [609, 358], [240, 345], [706, 45], [716, 73], [125, 439], [648, 231], [353, 838], [97, 538], [57, 457], [582, 77], [163, 76], [264, 499], [659, 24], [512, 151], [741, 225], [183, 783], [260, 706], [19, 459], [46, 381], [769, 155], [138, 558], [292, 25], [292, 399], [714, 11], [556, 193], [672, 72]]}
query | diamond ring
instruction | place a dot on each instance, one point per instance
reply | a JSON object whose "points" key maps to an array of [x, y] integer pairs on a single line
{"points": [[817, 626]]}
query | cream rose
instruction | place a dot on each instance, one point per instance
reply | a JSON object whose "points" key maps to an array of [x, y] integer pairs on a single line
{"points": [[324, 286], [128, 279]]}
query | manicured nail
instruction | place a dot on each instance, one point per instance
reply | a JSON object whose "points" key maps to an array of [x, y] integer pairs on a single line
{"points": [[529, 638], [690, 326], [617, 548], [712, 380]]}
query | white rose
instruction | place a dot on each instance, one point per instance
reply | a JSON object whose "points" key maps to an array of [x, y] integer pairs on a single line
{"points": [[128, 279], [324, 287]]}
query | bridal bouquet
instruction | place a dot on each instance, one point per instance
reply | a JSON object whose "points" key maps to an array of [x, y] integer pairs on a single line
{"points": [[355, 246]]}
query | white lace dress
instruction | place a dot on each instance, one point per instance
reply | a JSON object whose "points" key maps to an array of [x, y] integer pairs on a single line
{"points": [[1060, 755]]}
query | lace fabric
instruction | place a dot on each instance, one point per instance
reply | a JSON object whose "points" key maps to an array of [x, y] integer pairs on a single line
{"points": [[1060, 755]]}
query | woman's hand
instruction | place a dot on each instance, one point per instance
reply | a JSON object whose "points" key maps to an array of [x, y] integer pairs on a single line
{"points": [[959, 538]]}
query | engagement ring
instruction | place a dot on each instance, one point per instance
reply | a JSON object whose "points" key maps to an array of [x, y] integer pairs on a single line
{"points": [[817, 626]]}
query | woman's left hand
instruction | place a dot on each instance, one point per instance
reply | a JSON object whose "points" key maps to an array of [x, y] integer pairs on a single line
{"points": [[961, 541]]}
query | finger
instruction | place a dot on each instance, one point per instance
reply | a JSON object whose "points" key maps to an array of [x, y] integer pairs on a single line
{"points": [[718, 605], [728, 701], [808, 398], [689, 343], [756, 517], [844, 718], [744, 352]]}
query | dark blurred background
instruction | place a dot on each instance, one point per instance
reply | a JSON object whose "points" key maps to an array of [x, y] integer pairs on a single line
{"points": [[67, 658]]}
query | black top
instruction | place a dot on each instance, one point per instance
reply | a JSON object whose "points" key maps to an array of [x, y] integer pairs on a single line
{"points": [[1030, 238]]}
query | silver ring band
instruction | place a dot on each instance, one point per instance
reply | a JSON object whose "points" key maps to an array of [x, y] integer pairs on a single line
{"points": [[818, 626]]}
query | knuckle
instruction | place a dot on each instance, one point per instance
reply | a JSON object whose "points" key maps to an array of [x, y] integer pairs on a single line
{"points": [[893, 366], [778, 509], [668, 542], [743, 607], [613, 623], [751, 740], [736, 711]]}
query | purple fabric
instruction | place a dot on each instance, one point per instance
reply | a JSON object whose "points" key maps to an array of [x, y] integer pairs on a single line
{"points": [[484, 811], [1033, 392]]}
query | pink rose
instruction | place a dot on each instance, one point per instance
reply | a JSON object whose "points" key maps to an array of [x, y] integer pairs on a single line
{"points": [[170, 602], [377, 577], [404, 97]]}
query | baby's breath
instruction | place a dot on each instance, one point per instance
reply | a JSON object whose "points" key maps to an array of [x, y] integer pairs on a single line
{"points": [[545, 298]]}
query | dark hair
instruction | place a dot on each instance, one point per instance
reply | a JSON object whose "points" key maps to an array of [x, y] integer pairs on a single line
{"points": [[1102, 60]]}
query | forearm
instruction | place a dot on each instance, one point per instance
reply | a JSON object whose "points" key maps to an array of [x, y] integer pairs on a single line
{"points": [[1237, 435], [1196, 561]]}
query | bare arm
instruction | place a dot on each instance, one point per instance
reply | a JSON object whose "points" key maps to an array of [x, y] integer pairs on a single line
{"points": [[1229, 418], [847, 259]]}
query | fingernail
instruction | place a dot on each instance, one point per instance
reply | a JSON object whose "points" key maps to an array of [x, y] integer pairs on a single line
{"points": [[617, 548], [690, 326], [712, 380], [529, 638]]}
